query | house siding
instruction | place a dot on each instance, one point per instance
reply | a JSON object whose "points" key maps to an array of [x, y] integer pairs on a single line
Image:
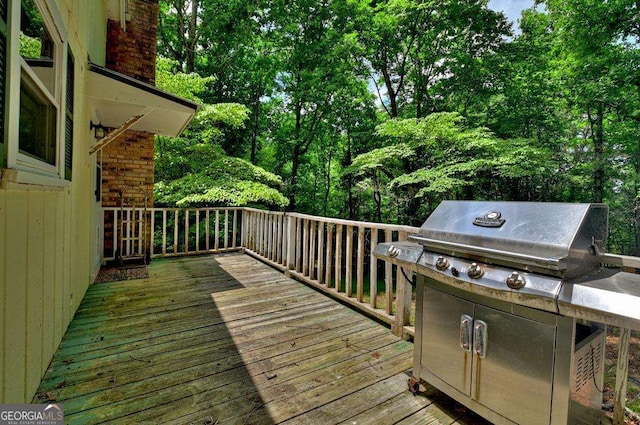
{"points": [[47, 235]]}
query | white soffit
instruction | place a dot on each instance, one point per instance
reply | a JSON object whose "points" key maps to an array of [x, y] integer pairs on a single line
{"points": [[117, 98]]}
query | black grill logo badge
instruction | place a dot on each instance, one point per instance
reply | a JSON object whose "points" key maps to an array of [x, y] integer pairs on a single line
{"points": [[490, 219]]}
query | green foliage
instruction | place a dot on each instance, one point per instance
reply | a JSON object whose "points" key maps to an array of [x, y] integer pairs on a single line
{"points": [[194, 170], [205, 176], [29, 47], [170, 78], [378, 110]]}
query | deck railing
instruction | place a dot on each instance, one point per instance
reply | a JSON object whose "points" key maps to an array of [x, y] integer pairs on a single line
{"points": [[335, 256], [169, 232], [332, 255]]}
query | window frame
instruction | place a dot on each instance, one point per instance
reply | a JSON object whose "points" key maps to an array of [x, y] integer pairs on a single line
{"points": [[17, 69]]}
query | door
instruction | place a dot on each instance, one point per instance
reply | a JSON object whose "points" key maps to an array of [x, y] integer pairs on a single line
{"points": [[515, 377], [443, 337]]}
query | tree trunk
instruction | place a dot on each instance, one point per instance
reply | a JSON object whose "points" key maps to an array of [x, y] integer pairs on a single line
{"points": [[636, 206], [327, 190], [350, 200], [377, 199], [598, 142], [192, 38], [256, 122]]}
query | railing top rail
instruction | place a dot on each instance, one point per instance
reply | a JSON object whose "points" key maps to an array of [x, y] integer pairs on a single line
{"points": [[383, 226], [175, 209]]}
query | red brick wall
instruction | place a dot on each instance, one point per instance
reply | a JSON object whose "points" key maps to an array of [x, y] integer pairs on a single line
{"points": [[127, 163]]}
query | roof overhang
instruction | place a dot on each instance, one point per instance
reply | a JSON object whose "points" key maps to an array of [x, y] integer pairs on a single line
{"points": [[117, 99]]}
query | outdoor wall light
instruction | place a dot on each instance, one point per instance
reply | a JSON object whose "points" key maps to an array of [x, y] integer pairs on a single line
{"points": [[99, 131]]}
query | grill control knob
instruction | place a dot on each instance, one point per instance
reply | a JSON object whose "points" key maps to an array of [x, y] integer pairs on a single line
{"points": [[442, 263], [475, 271], [516, 281], [393, 251]]}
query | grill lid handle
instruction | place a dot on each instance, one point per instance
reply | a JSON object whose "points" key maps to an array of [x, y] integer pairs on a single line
{"points": [[559, 264]]}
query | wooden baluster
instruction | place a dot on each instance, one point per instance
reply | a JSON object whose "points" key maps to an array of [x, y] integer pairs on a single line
{"points": [[299, 245], [128, 233], [164, 232], [234, 231], [259, 239], [186, 231], [270, 236], [388, 279], [153, 233], [305, 247], [247, 230], [360, 265], [206, 230], [329, 255], [197, 230], [291, 251], [216, 231], [320, 251], [403, 296], [338, 264], [116, 231], [279, 240], [226, 229], [312, 249], [274, 239], [349, 261], [373, 269], [622, 375], [175, 231]]}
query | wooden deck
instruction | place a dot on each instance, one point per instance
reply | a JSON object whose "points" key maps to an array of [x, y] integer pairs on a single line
{"points": [[228, 340]]}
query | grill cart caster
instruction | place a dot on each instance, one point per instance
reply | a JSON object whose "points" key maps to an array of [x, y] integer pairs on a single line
{"points": [[414, 385]]}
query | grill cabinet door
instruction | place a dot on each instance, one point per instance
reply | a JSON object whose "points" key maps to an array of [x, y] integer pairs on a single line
{"points": [[515, 378], [442, 353]]}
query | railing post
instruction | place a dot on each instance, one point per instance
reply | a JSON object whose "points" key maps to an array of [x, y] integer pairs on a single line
{"points": [[622, 373], [360, 265], [373, 269]]}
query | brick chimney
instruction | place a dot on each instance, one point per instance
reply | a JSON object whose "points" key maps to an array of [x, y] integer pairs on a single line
{"points": [[127, 162]]}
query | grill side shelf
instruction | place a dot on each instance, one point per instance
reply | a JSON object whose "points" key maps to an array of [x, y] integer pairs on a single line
{"points": [[607, 296]]}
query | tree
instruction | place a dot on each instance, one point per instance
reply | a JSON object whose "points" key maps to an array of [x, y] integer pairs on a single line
{"points": [[194, 170], [600, 58], [447, 160]]}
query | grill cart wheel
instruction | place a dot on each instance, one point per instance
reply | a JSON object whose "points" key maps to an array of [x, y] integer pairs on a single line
{"points": [[414, 385]]}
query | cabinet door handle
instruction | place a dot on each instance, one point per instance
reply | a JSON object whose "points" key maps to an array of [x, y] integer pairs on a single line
{"points": [[466, 326], [480, 338]]}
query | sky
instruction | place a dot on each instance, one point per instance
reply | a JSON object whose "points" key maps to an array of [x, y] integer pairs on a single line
{"points": [[511, 8]]}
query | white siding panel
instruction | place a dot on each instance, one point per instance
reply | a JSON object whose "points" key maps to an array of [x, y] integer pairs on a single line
{"points": [[15, 297], [48, 305], [35, 272], [58, 271], [3, 280]]}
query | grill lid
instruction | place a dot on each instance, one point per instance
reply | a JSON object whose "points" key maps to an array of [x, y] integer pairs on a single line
{"points": [[550, 236]]}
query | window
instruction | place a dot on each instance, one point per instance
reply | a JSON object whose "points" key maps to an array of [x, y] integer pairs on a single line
{"points": [[39, 91]]}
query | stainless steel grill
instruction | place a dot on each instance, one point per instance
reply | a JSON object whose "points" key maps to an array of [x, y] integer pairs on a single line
{"points": [[511, 307]]}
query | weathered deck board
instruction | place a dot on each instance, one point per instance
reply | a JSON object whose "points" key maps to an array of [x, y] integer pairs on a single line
{"points": [[227, 340]]}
